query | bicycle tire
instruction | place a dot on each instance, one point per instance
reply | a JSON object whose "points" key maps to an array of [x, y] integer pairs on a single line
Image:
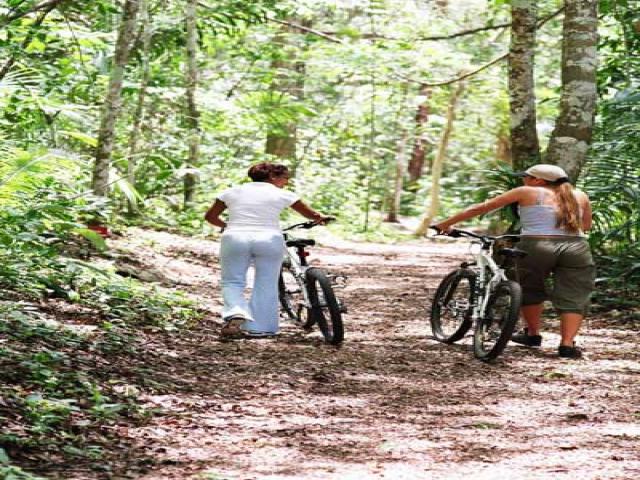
{"points": [[325, 309], [292, 299], [493, 331], [452, 306]]}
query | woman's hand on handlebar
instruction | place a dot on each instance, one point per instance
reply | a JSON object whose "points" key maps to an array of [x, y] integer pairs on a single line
{"points": [[442, 228], [323, 219]]}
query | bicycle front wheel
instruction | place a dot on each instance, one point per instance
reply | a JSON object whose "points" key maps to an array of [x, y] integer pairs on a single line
{"points": [[452, 306], [325, 309], [494, 329]]}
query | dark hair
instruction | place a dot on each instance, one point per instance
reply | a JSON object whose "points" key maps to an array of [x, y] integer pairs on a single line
{"points": [[263, 172]]}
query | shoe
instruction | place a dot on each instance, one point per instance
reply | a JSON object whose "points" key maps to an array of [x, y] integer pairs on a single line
{"points": [[566, 351], [525, 339], [231, 327]]}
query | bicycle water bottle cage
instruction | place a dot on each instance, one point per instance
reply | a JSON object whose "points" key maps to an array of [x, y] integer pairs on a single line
{"points": [[301, 242], [512, 252]]}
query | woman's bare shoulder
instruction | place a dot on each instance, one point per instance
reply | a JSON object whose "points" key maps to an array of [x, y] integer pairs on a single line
{"points": [[582, 196]]}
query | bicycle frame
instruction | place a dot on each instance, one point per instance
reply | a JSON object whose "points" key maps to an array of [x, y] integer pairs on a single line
{"points": [[296, 258], [483, 261]]}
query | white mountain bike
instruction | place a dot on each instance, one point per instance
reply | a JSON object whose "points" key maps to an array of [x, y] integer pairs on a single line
{"points": [[307, 295], [478, 294]]}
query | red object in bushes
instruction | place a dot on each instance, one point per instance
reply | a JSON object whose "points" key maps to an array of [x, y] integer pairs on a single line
{"points": [[102, 230]]}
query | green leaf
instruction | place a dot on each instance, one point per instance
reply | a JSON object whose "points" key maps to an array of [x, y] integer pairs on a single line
{"points": [[4, 458], [95, 238], [83, 137]]}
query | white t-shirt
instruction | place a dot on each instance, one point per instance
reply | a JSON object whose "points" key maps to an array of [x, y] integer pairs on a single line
{"points": [[256, 206]]}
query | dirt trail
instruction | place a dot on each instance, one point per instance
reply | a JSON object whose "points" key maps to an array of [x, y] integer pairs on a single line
{"points": [[391, 403]]}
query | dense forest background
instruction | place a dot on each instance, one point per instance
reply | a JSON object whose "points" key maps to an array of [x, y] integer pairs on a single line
{"points": [[136, 112]]}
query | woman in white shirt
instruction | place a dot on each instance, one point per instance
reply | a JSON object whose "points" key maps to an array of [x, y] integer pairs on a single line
{"points": [[252, 234]]}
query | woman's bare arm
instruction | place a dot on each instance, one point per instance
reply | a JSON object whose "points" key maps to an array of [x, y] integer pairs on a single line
{"points": [[507, 198], [213, 214], [308, 212]]}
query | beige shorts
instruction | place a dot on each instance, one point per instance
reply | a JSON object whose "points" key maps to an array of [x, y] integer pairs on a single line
{"points": [[564, 262]]}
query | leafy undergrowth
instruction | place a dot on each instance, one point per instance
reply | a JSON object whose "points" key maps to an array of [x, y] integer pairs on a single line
{"points": [[66, 330]]}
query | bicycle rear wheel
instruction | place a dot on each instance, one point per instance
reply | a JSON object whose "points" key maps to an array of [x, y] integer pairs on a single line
{"points": [[493, 331], [325, 309], [452, 306], [290, 292]]}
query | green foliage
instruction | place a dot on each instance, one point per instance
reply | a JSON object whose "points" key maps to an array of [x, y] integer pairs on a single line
{"points": [[611, 179], [618, 45], [53, 392]]}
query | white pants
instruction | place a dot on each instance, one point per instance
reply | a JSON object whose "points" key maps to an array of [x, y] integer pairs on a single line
{"points": [[265, 250]]}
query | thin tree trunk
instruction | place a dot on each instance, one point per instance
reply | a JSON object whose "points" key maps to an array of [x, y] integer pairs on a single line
{"points": [[113, 100], [571, 136], [394, 207], [436, 171], [282, 140], [525, 148], [193, 115], [416, 163], [138, 116]]}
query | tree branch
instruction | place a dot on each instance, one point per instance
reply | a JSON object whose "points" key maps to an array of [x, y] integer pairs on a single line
{"points": [[483, 67], [32, 30], [307, 30], [47, 4], [463, 33]]}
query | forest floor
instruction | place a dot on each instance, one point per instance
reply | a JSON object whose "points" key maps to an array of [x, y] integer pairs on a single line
{"points": [[390, 403]]}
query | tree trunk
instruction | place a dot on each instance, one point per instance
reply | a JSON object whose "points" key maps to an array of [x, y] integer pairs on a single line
{"points": [[416, 163], [572, 134], [287, 84], [193, 115], [138, 116], [503, 149], [525, 149], [436, 171], [394, 206], [113, 100]]}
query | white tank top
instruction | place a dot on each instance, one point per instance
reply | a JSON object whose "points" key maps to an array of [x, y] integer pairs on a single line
{"points": [[540, 219]]}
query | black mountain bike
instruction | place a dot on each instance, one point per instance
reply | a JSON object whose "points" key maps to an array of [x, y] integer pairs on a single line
{"points": [[478, 294], [307, 294]]}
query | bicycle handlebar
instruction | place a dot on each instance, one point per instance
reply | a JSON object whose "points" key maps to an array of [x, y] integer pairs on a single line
{"points": [[309, 224], [485, 239]]}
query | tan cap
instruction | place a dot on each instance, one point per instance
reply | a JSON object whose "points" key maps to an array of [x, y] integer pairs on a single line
{"points": [[550, 173]]}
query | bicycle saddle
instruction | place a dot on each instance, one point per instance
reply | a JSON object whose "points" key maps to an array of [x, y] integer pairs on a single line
{"points": [[300, 242], [512, 252]]}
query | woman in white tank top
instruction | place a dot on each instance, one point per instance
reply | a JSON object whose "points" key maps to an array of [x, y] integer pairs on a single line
{"points": [[252, 236], [554, 217]]}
